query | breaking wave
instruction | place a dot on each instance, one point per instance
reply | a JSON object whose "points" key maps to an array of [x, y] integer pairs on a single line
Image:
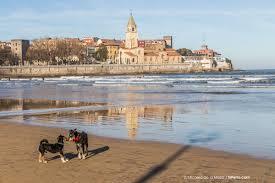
{"points": [[196, 80]]}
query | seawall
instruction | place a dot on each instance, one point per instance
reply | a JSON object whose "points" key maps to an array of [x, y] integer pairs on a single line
{"points": [[93, 70]]}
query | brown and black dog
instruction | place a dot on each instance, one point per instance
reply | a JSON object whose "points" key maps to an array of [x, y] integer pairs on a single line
{"points": [[45, 146]]}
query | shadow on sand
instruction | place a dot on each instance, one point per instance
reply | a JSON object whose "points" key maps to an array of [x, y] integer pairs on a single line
{"points": [[162, 166], [91, 153]]}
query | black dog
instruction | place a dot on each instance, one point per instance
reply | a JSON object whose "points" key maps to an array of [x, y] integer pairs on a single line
{"points": [[81, 141], [53, 148]]}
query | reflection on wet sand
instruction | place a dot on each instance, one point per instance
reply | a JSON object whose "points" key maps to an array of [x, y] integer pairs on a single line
{"points": [[130, 114], [133, 113], [28, 104]]}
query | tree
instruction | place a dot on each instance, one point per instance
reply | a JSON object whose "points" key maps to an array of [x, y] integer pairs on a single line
{"points": [[101, 54], [7, 58], [229, 63], [56, 51], [185, 52]]}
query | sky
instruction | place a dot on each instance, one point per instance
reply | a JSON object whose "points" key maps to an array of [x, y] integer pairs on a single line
{"points": [[242, 30]]}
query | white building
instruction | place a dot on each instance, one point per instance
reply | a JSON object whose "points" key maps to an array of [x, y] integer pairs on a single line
{"points": [[198, 61]]}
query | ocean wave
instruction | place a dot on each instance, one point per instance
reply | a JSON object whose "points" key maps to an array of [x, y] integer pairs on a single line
{"points": [[131, 82], [236, 86], [186, 82], [200, 79], [68, 84], [224, 82], [258, 80], [173, 80]]}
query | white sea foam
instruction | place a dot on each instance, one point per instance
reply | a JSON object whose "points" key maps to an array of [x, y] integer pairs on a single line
{"points": [[67, 84], [224, 82], [19, 79], [199, 79], [253, 79]]}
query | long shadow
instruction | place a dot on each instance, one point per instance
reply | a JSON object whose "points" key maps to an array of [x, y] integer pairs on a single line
{"points": [[91, 153], [94, 152], [161, 167]]}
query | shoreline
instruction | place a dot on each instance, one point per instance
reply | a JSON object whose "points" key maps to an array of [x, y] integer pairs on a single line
{"points": [[144, 141], [123, 160]]}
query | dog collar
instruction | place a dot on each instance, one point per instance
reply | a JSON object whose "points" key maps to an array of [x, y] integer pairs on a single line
{"points": [[76, 139]]}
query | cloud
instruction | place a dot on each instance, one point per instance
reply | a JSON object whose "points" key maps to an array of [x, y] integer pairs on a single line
{"points": [[32, 15]]}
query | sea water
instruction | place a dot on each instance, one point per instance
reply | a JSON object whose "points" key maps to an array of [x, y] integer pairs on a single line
{"points": [[232, 111]]}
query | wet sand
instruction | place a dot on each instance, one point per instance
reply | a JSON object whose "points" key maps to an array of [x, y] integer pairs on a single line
{"points": [[120, 161]]}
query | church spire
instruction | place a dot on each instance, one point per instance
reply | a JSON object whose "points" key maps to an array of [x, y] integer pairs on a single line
{"points": [[131, 23], [131, 33]]}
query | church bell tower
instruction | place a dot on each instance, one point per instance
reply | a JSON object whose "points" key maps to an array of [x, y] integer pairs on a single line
{"points": [[131, 34]]}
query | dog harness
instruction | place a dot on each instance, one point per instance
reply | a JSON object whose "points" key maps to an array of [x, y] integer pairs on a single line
{"points": [[76, 139]]}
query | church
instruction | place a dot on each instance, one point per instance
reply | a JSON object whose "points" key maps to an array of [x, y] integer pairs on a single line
{"points": [[135, 51]]}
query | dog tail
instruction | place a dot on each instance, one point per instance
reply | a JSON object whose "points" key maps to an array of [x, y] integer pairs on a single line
{"points": [[44, 141]]}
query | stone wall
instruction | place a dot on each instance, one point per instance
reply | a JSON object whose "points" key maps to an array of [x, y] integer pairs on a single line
{"points": [[86, 70]]}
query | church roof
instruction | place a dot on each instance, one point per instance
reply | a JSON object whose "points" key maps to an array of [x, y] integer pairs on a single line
{"points": [[131, 22], [151, 54], [130, 54]]}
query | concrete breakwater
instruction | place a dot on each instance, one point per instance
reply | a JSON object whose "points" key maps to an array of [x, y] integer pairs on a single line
{"points": [[93, 70]]}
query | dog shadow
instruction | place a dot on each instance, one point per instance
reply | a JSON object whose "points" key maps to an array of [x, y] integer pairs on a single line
{"points": [[91, 153], [94, 152]]}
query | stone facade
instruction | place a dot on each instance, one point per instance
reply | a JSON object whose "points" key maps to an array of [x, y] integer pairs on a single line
{"points": [[5, 45], [112, 46], [168, 41], [19, 49], [90, 70]]}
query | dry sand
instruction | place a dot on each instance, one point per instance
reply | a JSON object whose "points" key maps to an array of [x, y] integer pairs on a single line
{"points": [[124, 161]]}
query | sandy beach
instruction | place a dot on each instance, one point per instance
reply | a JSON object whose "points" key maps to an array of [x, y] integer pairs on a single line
{"points": [[114, 160]]}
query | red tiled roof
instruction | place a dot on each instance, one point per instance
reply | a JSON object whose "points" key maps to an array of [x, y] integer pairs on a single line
{"points": [[111, 42], [150, 54], [153, 40], [130, 54]]}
